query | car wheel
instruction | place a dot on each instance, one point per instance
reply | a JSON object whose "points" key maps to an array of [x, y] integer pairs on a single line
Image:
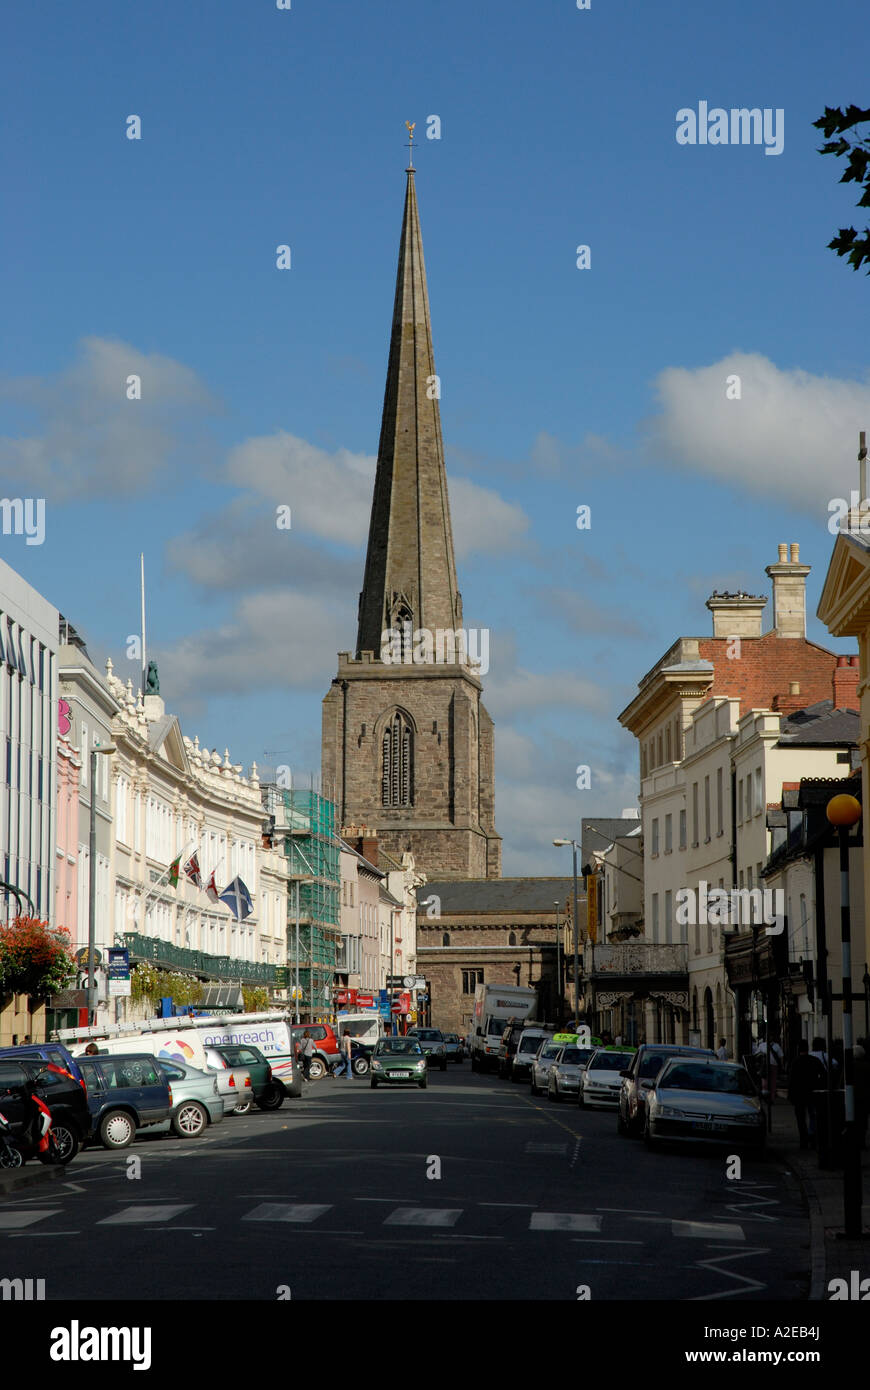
{"points": [[242, 1108], [532, 1086], [647, 1137], [189, 1120], [117, 1129], [361, 1067], [63, 1145], [621, 1126], [316, 1069], [272, 1098], [580, 1097], [373, 1084], [423, 1084]]}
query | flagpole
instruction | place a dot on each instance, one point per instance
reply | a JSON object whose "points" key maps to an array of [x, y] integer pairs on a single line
{"points": [[150, 892], [142, 594]]}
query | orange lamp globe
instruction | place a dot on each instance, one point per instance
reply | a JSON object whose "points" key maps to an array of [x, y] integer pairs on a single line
{"points": [[843, 810]]}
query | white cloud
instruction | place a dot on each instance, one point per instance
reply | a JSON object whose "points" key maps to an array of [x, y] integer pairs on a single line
{"points": [[90, 440], [522, 690], [790, 435]]}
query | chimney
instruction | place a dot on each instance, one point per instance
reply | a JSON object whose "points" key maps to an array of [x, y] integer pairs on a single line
{"points": [[364, 839], [794, 700], [846, 676], [736, 615], [789, 593]]}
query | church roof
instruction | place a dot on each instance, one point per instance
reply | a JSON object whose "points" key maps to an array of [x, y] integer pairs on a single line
{"points": [[501, 894], [410, 571]]}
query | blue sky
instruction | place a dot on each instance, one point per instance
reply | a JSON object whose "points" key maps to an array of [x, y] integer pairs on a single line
{"points": [[560, 386]]}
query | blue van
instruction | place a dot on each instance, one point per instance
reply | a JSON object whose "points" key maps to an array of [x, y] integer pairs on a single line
{"points": [[53, 1052]]}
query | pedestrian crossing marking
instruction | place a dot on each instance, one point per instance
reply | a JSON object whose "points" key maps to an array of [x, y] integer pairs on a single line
{"points": [[14, 1220], [707, 1230], [300, 1212], [423, 1216], [563, 1221], [139, 1215]]}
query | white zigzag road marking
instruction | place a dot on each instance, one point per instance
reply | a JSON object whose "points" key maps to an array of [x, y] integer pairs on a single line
{"points": [[745, 1284], [755, 1199]]}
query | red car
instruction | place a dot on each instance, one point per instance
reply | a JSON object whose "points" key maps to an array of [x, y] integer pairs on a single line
{"points": [[327, 1050]]}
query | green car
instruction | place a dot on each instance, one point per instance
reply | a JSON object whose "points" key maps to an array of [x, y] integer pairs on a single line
{"points": [[399, 1061]]}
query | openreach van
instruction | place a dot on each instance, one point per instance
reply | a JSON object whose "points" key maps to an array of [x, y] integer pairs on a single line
{"points": [[185, 1040], [494, 1007]]}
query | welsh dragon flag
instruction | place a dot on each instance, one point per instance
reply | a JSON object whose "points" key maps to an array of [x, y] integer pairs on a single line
{"points": [[173, 871]]}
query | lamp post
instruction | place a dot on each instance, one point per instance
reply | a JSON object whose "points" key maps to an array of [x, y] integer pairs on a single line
{"points": [[558, 967], [573, 844], [106, 749], [843, 812]]}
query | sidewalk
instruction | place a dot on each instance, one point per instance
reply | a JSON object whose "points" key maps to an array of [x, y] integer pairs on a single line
{"points": [[823, 1187]]}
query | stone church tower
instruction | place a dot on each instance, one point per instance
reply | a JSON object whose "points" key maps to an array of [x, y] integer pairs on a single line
{"points": [[407, 743]]}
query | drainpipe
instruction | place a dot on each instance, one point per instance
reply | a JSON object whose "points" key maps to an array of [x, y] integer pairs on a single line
{"points": [[343, 750]]}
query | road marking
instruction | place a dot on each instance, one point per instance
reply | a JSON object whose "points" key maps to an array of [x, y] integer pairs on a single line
{"points": [[590, 1240], [31, 1235], [13, 1220], [424, 1216], [707, 1230], [563, 1221], [533, 1148], [300, 1212], [138, 1215], [634, 1211], [508, 1204], [746, 1284], [74, 1187]]}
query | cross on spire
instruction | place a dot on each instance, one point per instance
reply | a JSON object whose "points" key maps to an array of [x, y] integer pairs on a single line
{"points": [[411, 127]]}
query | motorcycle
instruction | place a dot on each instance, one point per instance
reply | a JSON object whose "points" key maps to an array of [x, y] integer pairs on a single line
{"points": [[34, 1137]]}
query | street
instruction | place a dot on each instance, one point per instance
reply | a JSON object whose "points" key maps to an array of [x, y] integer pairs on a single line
{"points": [[329, 1199]]}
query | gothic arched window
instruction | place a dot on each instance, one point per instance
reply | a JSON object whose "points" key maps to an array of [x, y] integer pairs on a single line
{"points": [[397, 787], [445, 940], [512, 939]]}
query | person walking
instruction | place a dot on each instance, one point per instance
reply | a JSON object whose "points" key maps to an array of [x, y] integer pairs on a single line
{"points": [[308, 1053], [347, 1049], [807, 1075], [722, 1050]]}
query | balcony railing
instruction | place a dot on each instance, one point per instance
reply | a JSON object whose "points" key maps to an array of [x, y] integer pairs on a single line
{"points": [[640, 958], [171, 957]]}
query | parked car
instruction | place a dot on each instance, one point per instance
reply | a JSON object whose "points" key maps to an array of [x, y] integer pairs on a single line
{"points": [[268, 1093], [601, 1081], [125, 1093], [400, 1061], [234, 1084], [564, 1077], [196, 1100], [510, 1039], [530, 1040], [455, 1049], [702, 1100], [431, 1041], [53, 1052], [639, 1078], [539, 1069], [327, 1050], [64, 1095]]}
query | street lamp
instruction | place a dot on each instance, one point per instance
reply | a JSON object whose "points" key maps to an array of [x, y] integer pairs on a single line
{"points": [[107, 749], [559, 990], [574, 846], [843, 812]]}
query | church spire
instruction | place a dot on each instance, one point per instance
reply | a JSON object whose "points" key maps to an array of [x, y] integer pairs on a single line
{"points": [[410, 573]]}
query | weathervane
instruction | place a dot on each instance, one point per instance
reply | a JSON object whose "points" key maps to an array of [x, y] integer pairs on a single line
{"points": [[411, 127]]}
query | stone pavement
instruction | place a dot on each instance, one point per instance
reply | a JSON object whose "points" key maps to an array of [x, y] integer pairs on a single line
{"points": [[832, 1258]]}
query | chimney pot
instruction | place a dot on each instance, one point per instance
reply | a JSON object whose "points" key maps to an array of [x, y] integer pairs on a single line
{"points": [[794, 688], [783, 554], [795, 553]]}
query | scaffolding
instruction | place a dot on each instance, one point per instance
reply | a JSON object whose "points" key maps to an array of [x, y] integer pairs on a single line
{"points": [[305, 821]]}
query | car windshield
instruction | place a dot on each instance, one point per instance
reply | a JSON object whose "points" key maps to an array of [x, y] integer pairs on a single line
{"points": [[428, 1035], [652, 1064], [551, 1050], [698, 1077], [530, 1044], [404, 1047], [610, 1061], [571, 1056], [358, 1027]]}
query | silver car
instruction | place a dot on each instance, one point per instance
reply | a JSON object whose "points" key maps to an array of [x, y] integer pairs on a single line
{"points": [[196, 1100], [702, 1101], [234, 1083], [564, 1078], [601, 1082], [539, 1071]]}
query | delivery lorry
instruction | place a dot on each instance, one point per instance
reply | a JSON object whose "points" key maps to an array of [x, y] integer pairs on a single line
{"points": [[186, 1040], [495, 1006]]}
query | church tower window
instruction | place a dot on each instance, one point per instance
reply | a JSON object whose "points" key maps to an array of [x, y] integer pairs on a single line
{"points": [[398, 759]]}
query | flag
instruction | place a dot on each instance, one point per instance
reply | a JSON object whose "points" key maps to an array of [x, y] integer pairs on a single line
{"points": [[212, 889], [173, 871], [237, 899], [191, 869]]}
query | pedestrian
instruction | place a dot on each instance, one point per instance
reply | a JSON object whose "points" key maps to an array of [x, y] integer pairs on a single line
{"points": [[722, 1050], [818, 1050], [768, 1061], [806, 1076], [91, 1050], [308, 1053], [347, 1047]]}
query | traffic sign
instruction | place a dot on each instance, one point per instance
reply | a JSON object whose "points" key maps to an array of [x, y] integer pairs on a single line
{"points": [[408, 981], [423, 997]]}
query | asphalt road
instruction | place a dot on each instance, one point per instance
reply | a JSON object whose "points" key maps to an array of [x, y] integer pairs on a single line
{"points": [[336, 1196]]}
